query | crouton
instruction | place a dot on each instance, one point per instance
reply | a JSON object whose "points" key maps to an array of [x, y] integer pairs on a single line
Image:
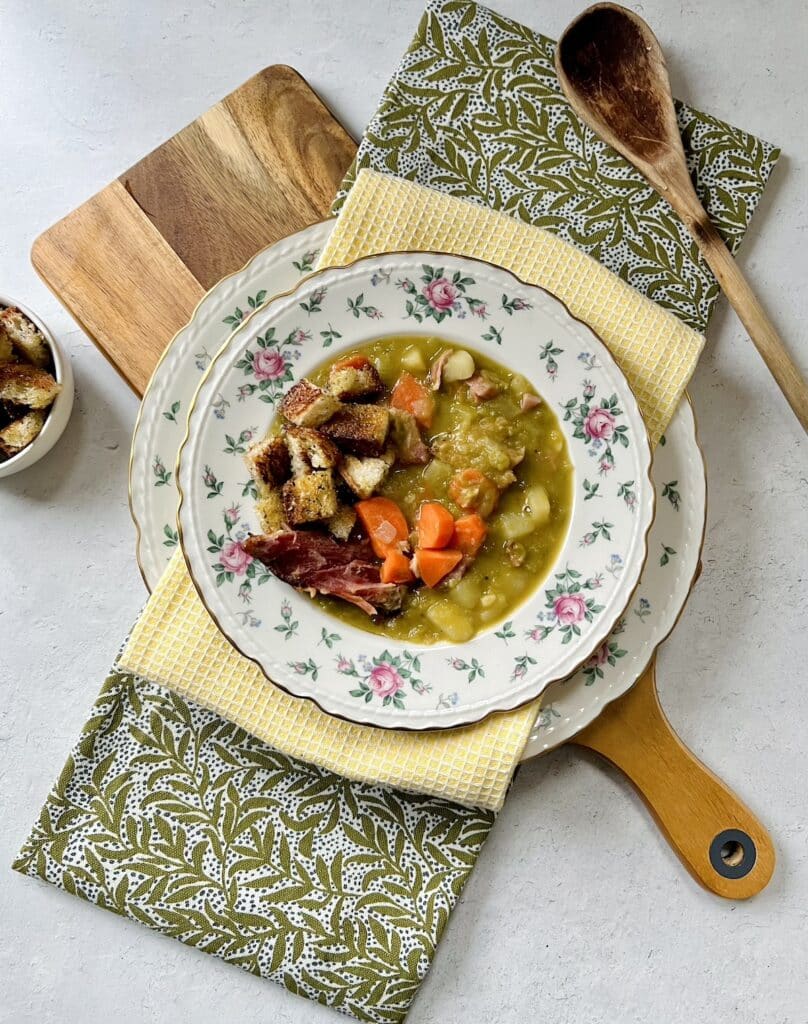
{"points": [[27, 385], [25, 337], [310, 450], [354, 377], [342, 522], [269, 510], [364, 476], [6, 348], [269, 464], [359, 429], [10, 411], [306, 405], [309, 497], [20, 433]]}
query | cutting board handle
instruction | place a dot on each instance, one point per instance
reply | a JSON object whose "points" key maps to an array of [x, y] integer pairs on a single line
{"points": [[717, 837]]}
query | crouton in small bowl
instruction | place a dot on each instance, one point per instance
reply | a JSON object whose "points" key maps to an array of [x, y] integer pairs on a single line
{"points": [[36, 388]]}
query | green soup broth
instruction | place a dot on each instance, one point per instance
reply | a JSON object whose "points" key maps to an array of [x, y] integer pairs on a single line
{"points": [[465, 434]]}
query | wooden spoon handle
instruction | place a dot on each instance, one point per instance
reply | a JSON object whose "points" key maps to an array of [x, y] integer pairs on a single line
{"points": [[717, 837], [752, 315]]}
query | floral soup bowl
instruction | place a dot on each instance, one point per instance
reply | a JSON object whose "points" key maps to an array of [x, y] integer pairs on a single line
{"points": [[369, 678]]}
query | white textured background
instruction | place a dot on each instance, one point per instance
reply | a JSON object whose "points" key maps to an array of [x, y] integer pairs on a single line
{"points": [[577, 911]]}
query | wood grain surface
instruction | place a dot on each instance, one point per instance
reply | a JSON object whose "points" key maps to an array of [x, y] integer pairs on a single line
{"points": [[134, 260]]}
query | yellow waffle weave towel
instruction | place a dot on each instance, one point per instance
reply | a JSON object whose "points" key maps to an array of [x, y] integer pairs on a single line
{"points": [[176, 644]]}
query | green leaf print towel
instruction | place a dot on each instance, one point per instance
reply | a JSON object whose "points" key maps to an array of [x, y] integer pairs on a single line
{"points": [[475, 109], [170, 815]]}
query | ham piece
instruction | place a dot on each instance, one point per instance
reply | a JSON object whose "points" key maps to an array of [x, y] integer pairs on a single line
{"points": [[409, 443], [529, 401], [317, 562], [481, 389], [436, 370]]}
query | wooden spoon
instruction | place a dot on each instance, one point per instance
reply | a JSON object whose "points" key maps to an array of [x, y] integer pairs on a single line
{"points": [[613, 72]]}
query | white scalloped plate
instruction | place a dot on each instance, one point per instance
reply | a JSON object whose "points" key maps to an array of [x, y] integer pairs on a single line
{"points": [[361, 676], [677, 471], [163, 411], [674, 549]]}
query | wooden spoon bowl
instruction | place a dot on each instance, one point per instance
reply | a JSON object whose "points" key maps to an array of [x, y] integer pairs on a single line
{"points": [[613, 72], [627, 103]]}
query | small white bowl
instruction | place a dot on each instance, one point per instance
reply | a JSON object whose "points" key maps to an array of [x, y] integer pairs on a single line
{"points": [[58, 413]]}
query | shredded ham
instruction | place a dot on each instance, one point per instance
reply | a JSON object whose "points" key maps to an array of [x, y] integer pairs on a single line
{"points": [[459, 570], [407, 438], [436, 370], [529, 401], [316, 562], [481, 389]]}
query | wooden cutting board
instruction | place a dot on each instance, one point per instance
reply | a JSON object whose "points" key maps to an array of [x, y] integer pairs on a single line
{"points": [[132, 262]]}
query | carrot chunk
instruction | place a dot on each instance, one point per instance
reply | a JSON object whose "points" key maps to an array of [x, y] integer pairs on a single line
{"points": [[385, 524], [435, 525], [469, 533], [433, 565], [396, 568], [415, 398]]}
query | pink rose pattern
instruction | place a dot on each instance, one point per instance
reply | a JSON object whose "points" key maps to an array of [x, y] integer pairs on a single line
{"points": [[268, 364], [234, 558], [385, 681], [437, 296], [569, 603], [599, 424], [600, 657], [569, 609], [385, 678], [440, 294]]}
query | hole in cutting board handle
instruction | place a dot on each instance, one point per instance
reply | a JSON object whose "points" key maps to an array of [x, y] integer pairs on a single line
{"points": [[733, 853]]}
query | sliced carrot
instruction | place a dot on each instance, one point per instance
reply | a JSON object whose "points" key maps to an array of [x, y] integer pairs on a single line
{"points": [[434, 565], [471, 489], [435, 525], [469, 533], [415, 398], [385, 524], [396, 568]]}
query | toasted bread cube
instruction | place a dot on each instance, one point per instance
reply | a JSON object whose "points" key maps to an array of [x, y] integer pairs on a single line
{"points": [[9, 412], [306, 405], [27, 385], [6, 348], [270, 512], [25, 337], [354, 377], [269, 464], [364, 476], [359, 429], [309, 497], [22, 432], [342, 522], [310, 450]]}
